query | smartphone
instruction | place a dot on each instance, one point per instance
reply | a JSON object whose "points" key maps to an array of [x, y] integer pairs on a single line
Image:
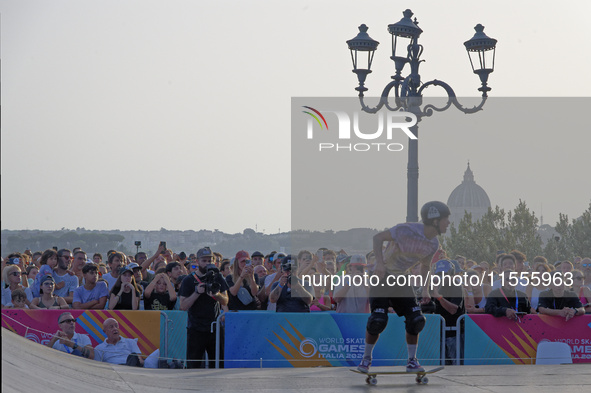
{"points": [[163, 244], [55, 248], [248, 262]]}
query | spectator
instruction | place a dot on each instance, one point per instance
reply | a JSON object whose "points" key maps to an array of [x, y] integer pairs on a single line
{"points": [[507, 300], [97, 258], [77, 265], [449, 303], [158, 257], [508, 263], [566, 266], [63, 274], [217, 259], [49, 260], [261, 272], [67, 340], [93, 294], [116, 349], [32, 271], [48, 299], [36, 257], [583, 292], [203, 308], [475, 295], [242, 292], [533, 292], [125, 294], [519, 261], [352, 298], [586, 267], [12, 278], [174, 271], [288, 293], [257, 258], [271, 279], [224, 268], [321, 300], [160, 294], [559, 301], [114, 261], [19, 299], [137, 275]]}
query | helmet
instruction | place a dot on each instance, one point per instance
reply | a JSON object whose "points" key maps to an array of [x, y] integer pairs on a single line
{"points": [[445, 266], [434, 210]]}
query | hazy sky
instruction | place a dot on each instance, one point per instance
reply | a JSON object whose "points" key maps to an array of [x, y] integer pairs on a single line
{"points": [[176, 114]]}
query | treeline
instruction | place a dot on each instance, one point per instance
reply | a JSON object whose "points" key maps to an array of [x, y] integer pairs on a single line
{"points": [[518, 229]]}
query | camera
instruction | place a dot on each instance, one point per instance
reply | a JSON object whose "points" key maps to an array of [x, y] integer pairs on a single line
{"points": [[138, 243], [286, 267], [248, 262], [210, 279]]}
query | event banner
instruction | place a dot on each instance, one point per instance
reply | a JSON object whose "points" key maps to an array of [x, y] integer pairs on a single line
{"points": [[490, 340], [257, 339], [41, 325]]}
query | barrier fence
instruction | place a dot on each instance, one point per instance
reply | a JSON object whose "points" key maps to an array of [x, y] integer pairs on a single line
{"points": [[266, 339]]}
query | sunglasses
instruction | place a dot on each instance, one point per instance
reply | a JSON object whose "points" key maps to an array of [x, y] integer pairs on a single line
{"points": [[586, 264], [194, 266], [68, 320], [15, 274], [48, 283]]}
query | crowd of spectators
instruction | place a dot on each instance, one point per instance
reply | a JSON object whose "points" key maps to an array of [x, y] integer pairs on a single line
{"points": [[70, 279]]}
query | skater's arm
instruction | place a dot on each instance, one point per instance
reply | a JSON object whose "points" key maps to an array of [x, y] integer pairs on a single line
{"points": [[378, 242]]}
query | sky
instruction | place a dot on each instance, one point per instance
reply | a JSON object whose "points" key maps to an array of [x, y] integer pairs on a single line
{"points": [[147, 114]]}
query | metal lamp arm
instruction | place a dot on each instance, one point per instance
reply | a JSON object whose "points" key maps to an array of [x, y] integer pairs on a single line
{"points": [[383, 99], [428, 110]]}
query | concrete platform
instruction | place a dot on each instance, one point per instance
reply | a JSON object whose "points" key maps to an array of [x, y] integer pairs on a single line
{"points": [[30, 367]]}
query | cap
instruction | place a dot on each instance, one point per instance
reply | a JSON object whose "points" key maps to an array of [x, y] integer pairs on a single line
{"points": [[457, 266], [444, 266], [13, 261], [279, 255], [125, 269], [241, 256], [204, 252], [47, 277], [257, 254], [341, 258], [134, 265]]}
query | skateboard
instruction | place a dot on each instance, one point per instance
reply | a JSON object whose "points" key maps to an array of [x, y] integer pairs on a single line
{"points": [[420, 378]]}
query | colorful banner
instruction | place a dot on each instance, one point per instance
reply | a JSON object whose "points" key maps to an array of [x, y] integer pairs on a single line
{"points": [[259, 339], [41, 325], [490, 340]]}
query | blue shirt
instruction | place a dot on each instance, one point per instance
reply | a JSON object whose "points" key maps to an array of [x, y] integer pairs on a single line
{"points": [[83, 295], [116, 353], [71, 284]]}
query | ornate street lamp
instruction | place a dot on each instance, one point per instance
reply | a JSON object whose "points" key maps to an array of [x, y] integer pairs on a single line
{"points": [[408, 91]]}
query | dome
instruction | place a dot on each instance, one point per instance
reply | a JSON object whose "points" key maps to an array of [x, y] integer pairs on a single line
{"points": [[468, 197]]}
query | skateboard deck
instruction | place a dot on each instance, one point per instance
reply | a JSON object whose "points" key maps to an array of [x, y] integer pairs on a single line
{"points": [[371, 377]]}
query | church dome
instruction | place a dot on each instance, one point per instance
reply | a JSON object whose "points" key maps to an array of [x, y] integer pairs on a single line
{"points": [[468, 197]]}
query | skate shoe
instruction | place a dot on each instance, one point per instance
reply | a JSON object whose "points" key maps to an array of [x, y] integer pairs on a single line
{"points": [[364, 365], [413, 366]]}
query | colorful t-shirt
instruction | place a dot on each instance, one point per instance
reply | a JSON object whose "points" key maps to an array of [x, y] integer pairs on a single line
{"points": [[410, 246]]}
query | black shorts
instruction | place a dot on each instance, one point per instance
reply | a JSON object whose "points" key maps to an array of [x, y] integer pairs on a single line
{"points": [[401, 298]]}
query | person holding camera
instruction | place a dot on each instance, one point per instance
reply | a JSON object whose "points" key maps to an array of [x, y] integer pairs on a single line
{"points": [[288, 293], [243, 291], [202, 294]]}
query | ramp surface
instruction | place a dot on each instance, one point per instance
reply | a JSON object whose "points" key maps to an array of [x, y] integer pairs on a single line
{"points": [[31, 367]]}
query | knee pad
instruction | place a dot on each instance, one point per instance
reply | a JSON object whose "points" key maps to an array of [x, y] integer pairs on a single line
{"points": [[415, 322], [376, 323]]}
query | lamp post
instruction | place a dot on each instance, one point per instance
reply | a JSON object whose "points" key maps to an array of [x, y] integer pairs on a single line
{"points": [[409, 90]]}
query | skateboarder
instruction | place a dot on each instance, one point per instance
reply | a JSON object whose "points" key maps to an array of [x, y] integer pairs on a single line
{"points": [[409, 243]]}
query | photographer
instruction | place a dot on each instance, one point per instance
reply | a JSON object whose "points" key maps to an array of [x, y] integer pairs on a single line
{"points": [[288, 294], [202, 294], [243, 290]]}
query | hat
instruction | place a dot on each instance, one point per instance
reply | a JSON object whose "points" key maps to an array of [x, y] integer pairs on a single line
{"points": [[13, 261], [241, 256], [444, 266], [204, 252], [125, 269], [278, 255], [134, 265], [171, 266], [341, 258], [47, 277], [257, 254]]}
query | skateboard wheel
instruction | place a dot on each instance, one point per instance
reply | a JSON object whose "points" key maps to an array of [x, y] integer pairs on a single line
{"points": [[373, 381], [425, 380], [418, 380], [367, 380]]}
